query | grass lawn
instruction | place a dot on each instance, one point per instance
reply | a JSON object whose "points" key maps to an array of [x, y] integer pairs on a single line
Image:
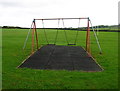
{"points": [[25, 78], [0, 58]]}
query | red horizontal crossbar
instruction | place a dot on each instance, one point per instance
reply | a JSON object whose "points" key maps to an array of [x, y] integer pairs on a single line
{"points": [[62, 18]]}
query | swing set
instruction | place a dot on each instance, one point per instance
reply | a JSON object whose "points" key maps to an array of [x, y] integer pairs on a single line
{"points": [[35, 34]]}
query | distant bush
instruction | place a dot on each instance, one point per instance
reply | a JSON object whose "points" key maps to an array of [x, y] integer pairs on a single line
{"points": [[13, 27]]}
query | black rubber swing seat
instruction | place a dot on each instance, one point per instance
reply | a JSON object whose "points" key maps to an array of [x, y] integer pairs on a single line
{"points": [[51, 44], [56, 57], [71, 44]]}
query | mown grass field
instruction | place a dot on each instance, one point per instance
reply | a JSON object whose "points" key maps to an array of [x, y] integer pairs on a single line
{"points": [[25, 78], [0, 58]]}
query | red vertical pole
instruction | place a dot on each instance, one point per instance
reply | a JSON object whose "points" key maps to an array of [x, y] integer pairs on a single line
{"points": [[33, 38], [88, 38], [36, 34]]}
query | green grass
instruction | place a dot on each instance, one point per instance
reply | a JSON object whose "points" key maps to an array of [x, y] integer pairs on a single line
{"points": [[0, 58], [25, 78]]}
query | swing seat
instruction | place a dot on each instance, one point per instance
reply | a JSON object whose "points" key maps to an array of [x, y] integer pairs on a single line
{"points": [[71, 44], [50, 44]]}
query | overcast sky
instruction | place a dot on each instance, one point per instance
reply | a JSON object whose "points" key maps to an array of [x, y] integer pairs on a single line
{"points": [[22, 12]]}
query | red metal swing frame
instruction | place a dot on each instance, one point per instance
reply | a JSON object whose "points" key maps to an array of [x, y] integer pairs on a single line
{"points": [[34, 31]]}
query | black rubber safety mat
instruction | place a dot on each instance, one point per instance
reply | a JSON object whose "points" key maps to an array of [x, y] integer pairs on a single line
{"points": [[61, 58]]}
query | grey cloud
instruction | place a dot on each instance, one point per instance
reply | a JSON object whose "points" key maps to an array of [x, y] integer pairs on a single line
{"points": [[10, 3], [119, 12]]}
